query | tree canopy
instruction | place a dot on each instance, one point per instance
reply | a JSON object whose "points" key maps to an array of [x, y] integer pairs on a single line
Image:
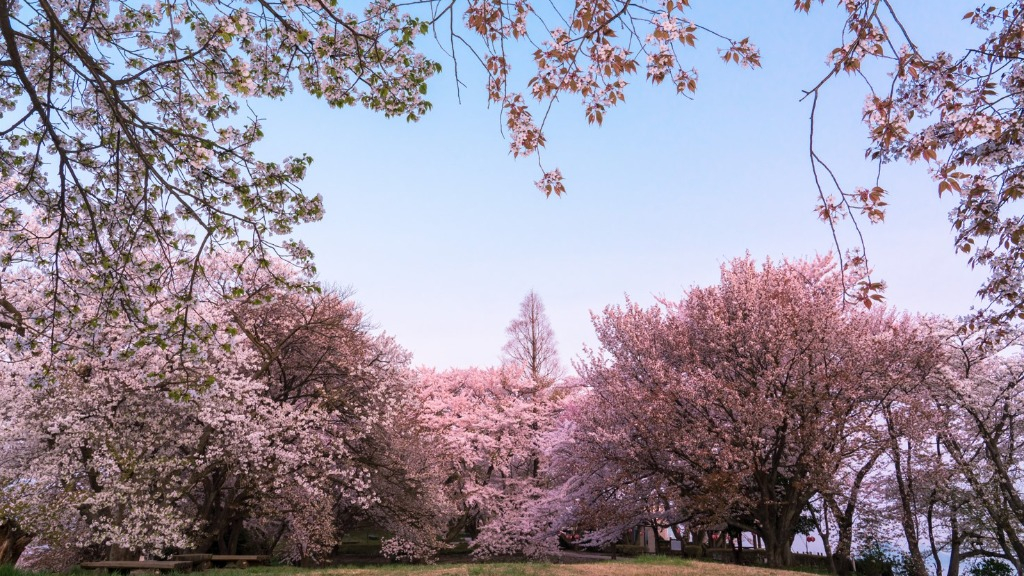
{"points": [[174, 376], [128, 125]]}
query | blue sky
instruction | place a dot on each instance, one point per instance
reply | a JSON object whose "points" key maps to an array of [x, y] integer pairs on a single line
{"points": [[441, 232]]}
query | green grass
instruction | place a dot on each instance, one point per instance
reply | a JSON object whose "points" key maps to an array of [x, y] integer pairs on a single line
{"points": [[646, 565], [660, 560], [524, 569], [639, 566], [8, 570]]}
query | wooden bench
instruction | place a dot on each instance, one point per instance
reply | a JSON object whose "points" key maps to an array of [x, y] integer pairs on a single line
{"points": [[199, 561], [240, 560], [126, 566]]}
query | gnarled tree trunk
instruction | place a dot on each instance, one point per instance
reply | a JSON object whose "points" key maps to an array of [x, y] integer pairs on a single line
{"points": [[13, 541]]}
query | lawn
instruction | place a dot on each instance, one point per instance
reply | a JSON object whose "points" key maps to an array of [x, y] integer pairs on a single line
{"points": [[643, 566]]}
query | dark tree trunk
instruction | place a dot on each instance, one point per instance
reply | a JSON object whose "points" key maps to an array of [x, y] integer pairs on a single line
{"points": [[235, 535], [778, 550], [777, 520], [13, 541], [843, 516], [829, 552], [844, 523], [902, 471], [118, 553], [955, 538]]}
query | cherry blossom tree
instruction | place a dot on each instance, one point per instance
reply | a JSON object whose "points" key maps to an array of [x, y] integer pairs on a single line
{"points": [[915, 475], [601, 465], [410, 481], [935, 441], [888, 454], [318, 351], [743, 397], [493, 430], [948, 467], [317, 357], [139, 432], [492, 426], [981, 400], [116, 429]]}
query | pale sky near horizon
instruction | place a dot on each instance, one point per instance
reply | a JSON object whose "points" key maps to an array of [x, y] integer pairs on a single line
{"points": [[441, 232]]}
